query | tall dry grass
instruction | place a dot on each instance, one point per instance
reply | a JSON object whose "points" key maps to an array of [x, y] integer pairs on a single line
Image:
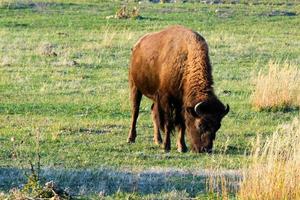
{"points": [[117, 38], [279, 88], [218, 187], [108, 37], [275, 171]]}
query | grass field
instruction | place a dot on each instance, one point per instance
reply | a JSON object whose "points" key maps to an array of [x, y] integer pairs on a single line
{"points": [[63, 78]]}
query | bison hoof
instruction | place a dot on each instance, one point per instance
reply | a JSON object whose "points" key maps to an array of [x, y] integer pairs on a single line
{"points": [[182, 149], [158, 142], [130, 140], [167, 148]]}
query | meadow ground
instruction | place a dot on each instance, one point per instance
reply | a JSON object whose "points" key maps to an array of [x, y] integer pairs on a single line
{"points": [[63, 78]]}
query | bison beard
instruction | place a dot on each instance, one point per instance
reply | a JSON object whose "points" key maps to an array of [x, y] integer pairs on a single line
{"points": [[172, 68]]}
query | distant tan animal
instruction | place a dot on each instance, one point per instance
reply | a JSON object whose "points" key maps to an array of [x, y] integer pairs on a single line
{"points": [[172, 68]]}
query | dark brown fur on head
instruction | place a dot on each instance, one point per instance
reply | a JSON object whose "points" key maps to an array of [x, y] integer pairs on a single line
{"points": [[203, 123]]}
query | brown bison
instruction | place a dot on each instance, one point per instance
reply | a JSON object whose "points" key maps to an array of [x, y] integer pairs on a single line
{"points": [[172, 68]]}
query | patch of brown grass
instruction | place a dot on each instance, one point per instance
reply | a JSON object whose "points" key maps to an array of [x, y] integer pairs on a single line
{"points": [[46, 49], [279, 88], [275, 172], [125, 13], [6, 61]]}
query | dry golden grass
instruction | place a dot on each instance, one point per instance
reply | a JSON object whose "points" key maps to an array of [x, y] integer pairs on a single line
{"points": [[275, 172], [279, 88], [218, 188], [118, 38]]}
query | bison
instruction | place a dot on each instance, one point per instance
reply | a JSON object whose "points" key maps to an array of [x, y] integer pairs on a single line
{"points": [[172, 68]]}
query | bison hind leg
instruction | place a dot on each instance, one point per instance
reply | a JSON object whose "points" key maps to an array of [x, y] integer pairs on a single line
{"points": [[136, 97], [156, 123]]}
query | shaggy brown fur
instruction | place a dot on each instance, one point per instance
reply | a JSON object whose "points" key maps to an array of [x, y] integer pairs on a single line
{"points": [[172, 68]]}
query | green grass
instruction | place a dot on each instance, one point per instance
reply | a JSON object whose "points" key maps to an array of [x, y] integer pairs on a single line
{"points": [[79, 100]]}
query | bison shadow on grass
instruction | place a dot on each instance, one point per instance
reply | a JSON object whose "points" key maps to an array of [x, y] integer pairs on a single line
{"points": [[108, 181]]}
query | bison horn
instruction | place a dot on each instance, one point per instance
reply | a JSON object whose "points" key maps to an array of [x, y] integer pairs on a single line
{"points": [[226, 110], [197, 108]]}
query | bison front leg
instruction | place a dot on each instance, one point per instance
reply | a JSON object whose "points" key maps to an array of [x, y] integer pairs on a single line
{"points": [[156, 123], [179, 121], [181, 146], [136, 97], [167, 139]]}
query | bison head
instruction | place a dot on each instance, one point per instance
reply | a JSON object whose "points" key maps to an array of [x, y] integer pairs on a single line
{"points": [[202, 122]]}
